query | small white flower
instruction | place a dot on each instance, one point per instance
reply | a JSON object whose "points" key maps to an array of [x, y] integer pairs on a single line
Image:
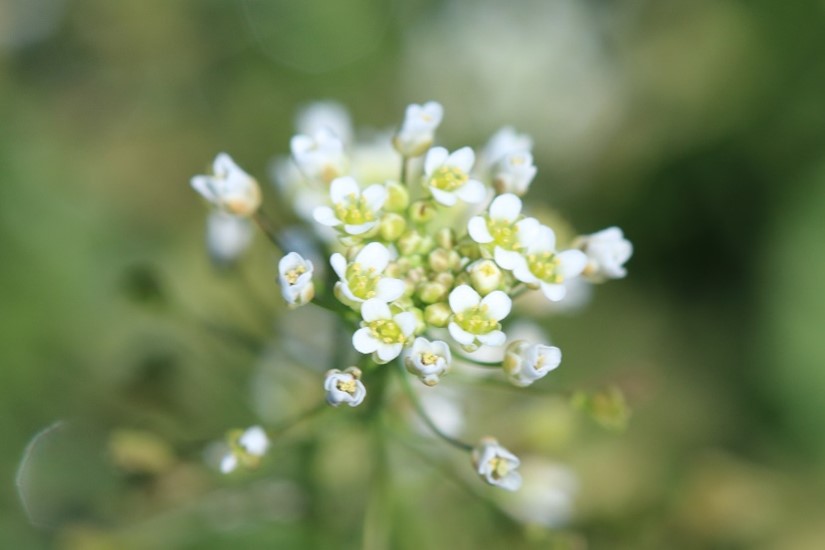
{"points": [[355, 211], [382, 333], [229, 188], [428, 360], [319, 157], [227, 236], [295, 278], [447, 176], [502, 231], [541, 265], [318, 115], [344, 387], [418, 129], [245, 448], [475, 321], [607, 251], [514, 173], [496, 465], [505, 142], [363, 278], [525, 363]]}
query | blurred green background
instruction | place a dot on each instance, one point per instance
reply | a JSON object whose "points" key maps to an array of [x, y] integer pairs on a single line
{"points": [[698, 126]]}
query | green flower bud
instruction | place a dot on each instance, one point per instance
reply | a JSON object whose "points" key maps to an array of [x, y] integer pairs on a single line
{"points": [[426, 245], [470, 250], [422, 211], [408, 243], [485, 276], [431, 292], [392, 226], [420, 324], [398, 197], [438, 315], [445, 238], [446, 278], [439, 260]]}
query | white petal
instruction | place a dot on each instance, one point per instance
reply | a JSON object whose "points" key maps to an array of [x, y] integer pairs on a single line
{"points": [[388, 352], [406, 321], [444, 197], [374, 256], [462, 159], [463, 297], [359, 229], [228, 463], [529, 230], [545, 240], [289, 262], [300, 144], [376, 196], [511, 481], [505, 207], [434, 159], [477, 228], [342, 188], [325, 216], [339, 265], [223, 165], [493, 338], [363, 341], [499, 304], [389, 289], [460, 335], [508, 259], [472, 191], [552, 357], [572, 263], [554, 292], [374, 309], [203, 185]]}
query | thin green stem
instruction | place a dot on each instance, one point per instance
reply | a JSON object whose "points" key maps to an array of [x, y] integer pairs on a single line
{"points": [[405, 383], [269, 228], [404, 169], [289, 423]]}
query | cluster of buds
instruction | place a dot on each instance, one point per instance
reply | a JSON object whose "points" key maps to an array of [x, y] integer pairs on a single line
{"points": [[429, 249]]}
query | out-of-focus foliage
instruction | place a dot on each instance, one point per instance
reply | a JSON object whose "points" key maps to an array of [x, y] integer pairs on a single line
{"points": [[697, 126]]}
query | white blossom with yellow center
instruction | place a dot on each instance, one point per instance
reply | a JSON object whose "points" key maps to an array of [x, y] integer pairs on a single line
{"points": [[229, 188], [607, 251], [363, 278], [496, 465], [354, 211], [418, 129], [514, 173], [502, 232], [475, 320], [447, 176], [383, 334], [428, 360], [295, 278], [524, 363], [344, 387]]}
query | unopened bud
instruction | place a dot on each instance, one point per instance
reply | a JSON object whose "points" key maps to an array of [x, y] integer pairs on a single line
{"points": [[445, 238], [408, 243], [446, 278], [430, 292], [438, 315], [392, 226], [398, 197], [439, 260], [485, 276], [422, 211]]}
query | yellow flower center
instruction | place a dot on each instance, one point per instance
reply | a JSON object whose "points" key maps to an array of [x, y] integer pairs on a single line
{"points": [[362, 283], [428, 358], [448, 178], [348, 386], [387, 331], [293, 275], [545, 266], [499, 467], [476, 320], [354, 210], [504, 233]]}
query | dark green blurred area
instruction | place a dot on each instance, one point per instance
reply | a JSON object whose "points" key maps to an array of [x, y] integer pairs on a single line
{"points": [[696, 126]]}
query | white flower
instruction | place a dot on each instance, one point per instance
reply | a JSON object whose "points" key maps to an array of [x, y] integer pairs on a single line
{"points": [[355, 210], [607, 251], [227, 236], [318, 115], [319, 157], [418, 129], [245, 448], [363, 278], [541, 265], [344, 387], [505, 142], [382, 333], [525, 363], [448, 176], [295, 278], [514, 173], [496, 465], [229, 188], [475, 321], [428, 360], [502, 231]]}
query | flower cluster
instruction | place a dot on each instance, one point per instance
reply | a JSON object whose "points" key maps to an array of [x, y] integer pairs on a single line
{"points": [[429, 250]]}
